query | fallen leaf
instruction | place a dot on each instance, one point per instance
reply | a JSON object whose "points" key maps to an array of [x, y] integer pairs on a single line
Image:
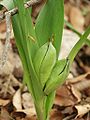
{"points": [[78, 79], [27, 101], [28, 112], [76, 93], [72, 38], [55, 115], [4, 102], [17, 100], [77, 19], [4, 115], [64, 97], [82, 109]]}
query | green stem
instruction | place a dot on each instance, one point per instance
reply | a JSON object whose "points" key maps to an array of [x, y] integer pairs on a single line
{"points": [[78, 45], [40, 109], [75, 31]]}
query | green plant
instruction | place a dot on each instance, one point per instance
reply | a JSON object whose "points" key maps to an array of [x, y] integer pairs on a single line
{"points": [[39, 47]]}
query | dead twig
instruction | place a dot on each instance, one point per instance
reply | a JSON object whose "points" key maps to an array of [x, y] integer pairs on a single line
{"points": [[3, 58], [15, 10]]}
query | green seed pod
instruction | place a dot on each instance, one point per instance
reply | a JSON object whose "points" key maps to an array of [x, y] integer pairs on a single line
{"points": [[58, 75], [44, 62]]}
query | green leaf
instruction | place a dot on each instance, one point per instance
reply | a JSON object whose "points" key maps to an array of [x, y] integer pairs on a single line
{"points": [[49, 24], [48, 104], [39, 57], [58, 75], [47, 64], [8, 4], [44, 62]]}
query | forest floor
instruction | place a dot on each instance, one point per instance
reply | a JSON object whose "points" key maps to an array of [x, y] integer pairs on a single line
{"points": [[72, 101]]}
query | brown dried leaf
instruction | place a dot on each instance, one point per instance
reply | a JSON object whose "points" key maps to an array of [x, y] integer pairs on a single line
{"points": [[76, 93], [4, 115], [28, 112], [27, 101], [56, 115], [82, 109], [76, 19], [4, 102], [64, 97], [17, 100], [77, 79]]}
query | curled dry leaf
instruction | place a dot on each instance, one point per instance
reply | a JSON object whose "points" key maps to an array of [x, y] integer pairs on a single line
{"points": [[82, 109], [79, 87], [76, 93], [17, 100], [27, 101], [23, 102], [79, 84]]}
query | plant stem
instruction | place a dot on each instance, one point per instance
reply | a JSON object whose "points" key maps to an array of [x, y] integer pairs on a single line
{"points": [[40, 108], [75, 31], [78, 45]]}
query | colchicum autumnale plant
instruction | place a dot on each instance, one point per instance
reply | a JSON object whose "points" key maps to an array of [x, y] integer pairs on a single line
{"points": [[39, 47]]}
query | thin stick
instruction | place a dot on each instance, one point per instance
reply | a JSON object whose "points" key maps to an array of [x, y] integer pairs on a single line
{"points": [[3, 58], [15, 10]]}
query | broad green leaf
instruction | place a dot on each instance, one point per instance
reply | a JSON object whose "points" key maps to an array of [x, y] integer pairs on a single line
{"points": [[49, 24], [24, 41]]}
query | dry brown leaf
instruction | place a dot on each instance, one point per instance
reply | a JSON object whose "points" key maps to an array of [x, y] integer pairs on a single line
{"points": [[76, 19], [28, 112], [2, 26], [17, 100], [87, 19], [24, 100], [27, 101], [77, 79], [4, 115], [67, 8], [55, 115], [76, 93], [4, 102], [72, 38], [64, 97], [79, 84], [82, 109]]}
